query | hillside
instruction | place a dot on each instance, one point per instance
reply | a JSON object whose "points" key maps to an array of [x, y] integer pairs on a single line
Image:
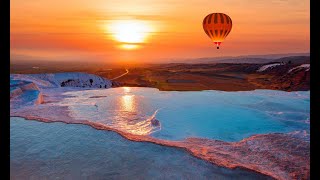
{"points": [[27, 89], [288, 74]]}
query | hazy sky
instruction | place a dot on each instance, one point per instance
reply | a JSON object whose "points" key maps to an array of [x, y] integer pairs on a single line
{"points": [[153, 30]]}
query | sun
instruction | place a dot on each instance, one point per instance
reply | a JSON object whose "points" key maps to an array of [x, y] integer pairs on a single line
{"points": [[130, 33]]}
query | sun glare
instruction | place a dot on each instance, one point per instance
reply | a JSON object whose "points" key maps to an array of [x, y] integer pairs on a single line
{"points": [[130, 33], [129, 46]]}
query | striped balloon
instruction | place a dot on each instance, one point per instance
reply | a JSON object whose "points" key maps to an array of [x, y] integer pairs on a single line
{"points": [[217, 26]]}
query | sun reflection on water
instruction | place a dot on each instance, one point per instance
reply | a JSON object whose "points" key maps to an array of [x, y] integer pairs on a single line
{"points": [[127, 89], [131, 120], [127, 103], [125, 111]]}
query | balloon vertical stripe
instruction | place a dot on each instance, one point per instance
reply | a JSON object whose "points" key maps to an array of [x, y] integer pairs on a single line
{"points": [[215, 18], [227, 19], [221, 17], [209, 19]]}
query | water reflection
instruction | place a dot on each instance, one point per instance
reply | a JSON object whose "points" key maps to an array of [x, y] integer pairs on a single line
{"points": [[127, 103], [130, 117], [124, 110], [228, 116], [127, 89]]}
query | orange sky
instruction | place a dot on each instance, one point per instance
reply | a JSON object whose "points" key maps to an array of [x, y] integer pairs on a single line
{"points": [[153, 31]]}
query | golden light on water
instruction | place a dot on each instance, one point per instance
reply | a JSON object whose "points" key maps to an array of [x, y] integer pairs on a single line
{"points": [[127, 89], [127, 100], [134, 122], [127, 103], [129, 33]]}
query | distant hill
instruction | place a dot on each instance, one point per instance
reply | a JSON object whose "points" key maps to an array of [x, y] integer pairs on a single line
{"points": [[295, 59], [253, 59]]}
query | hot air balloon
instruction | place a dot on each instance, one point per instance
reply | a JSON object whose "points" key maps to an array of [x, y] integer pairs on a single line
{"points": [[217, 26]]}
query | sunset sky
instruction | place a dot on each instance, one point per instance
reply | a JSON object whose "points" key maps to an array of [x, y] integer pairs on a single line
{"points": [[153, 31]]}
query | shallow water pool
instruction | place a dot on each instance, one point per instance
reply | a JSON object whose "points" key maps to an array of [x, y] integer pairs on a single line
{"points": [[227, 116]]}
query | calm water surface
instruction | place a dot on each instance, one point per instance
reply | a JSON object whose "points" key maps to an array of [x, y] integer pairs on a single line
{"points": [[72, 151], [228, 116]]}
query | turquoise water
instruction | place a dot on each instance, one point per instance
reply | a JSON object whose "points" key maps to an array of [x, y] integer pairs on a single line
{"points": [[72, 151], [227, 116]]}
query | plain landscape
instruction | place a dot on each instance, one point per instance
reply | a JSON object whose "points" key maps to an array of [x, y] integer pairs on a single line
{"points": [[288, 73]]}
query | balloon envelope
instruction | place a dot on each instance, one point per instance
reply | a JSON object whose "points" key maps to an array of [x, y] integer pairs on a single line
{"points": [[217, 26]]}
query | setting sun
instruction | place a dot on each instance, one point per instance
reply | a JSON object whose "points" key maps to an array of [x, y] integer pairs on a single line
{"points": [[130, 33], [152, 31]]}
